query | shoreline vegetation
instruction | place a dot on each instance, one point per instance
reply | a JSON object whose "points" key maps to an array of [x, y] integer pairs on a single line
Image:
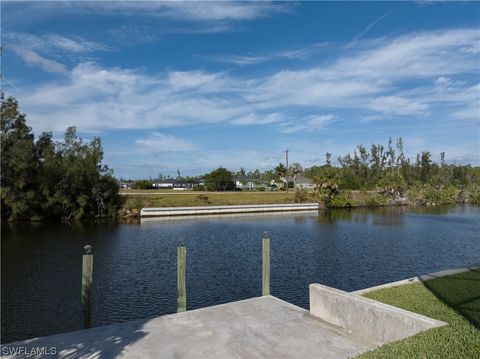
{"points": [[134, 201], [43, 179]]}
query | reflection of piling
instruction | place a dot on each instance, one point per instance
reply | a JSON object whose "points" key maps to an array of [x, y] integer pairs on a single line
{"points": [[87, 271], [266, 264], [181, 285]]}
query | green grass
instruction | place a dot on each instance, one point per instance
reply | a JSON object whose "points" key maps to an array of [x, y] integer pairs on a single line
{"points": [[130, 190], [454, 299], [212, 199]]}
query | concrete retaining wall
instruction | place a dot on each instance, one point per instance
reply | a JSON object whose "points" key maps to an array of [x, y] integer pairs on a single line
{"points": [[368, 319], [186, 211]]}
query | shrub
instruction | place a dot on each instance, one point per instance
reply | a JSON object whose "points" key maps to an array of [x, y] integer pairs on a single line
{"points": [[142, 184], [342, 199], [431, 196], [375, 200], [473, 195], [202, 198], [392, 185], [416, 195], [301, 195], [197, 187], [134, 203]]}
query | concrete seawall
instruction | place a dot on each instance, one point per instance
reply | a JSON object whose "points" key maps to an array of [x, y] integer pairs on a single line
{"points": [[203, 210]]}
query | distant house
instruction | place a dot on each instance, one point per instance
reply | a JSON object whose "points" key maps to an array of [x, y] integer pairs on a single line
{"points": [[300, 182], [125, 185], [175, 184], [244, 183]]}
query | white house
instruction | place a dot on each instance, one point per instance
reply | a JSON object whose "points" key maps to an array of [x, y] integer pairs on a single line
{"points": [[175, 184], [244, 183], [300, 182]]}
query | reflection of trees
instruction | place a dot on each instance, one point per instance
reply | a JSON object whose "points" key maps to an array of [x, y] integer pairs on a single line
{"points": [[332, 215], [438, 210], [389, 216], [385, 216]]}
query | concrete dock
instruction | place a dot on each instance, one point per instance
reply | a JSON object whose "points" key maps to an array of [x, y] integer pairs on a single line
{"points": [[206, 210], [264, 327], [337, 326]]}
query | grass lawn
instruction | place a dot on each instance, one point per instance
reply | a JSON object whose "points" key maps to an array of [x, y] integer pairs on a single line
{"points": [[206, 199], [454, 299], [130, 190]]}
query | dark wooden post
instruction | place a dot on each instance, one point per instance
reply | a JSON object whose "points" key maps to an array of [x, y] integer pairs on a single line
{"points": [[266, 264], [87, 271], [181, 283]]}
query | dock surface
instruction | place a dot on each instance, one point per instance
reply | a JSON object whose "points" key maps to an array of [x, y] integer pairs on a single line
{"points": [[264, 327]]}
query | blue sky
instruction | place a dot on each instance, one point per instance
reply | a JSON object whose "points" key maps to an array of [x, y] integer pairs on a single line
{"points": [[197, 85]]}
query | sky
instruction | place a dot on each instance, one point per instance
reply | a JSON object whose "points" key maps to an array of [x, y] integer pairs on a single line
{"points": [[197, 85]]}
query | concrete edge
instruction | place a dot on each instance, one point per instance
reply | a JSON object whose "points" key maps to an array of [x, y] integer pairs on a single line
{"points": [[154, 219], [427, 320], [205, 210], [365, 318], [422, 278]]}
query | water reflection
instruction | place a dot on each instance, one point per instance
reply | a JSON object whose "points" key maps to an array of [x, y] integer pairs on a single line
{"points": [[437, 210], [384, 216], [330, 216]]}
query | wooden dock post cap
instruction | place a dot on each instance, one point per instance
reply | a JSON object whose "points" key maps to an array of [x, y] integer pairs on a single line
{"points": [[87, 249]]}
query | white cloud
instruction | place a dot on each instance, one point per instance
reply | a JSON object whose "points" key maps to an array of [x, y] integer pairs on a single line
{"points": [[131, 35], [36, 50], [243, 60], [160, 142], [371, 79], [193, 11], [198, 80], [397, 105], [254, 119], [54, 42], [31, 58], [301, 53], [470, 112], [370, 118], [220, 12], [308, 124]]}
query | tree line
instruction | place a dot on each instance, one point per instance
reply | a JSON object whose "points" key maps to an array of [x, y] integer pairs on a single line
{"points": [[384, 173], [47, 179]]}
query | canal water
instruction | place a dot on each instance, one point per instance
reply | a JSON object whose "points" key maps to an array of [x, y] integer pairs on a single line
{"points": [[135, 264]]}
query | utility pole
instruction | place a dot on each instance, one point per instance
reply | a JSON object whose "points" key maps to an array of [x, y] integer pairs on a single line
{"points": [[286, 163]]}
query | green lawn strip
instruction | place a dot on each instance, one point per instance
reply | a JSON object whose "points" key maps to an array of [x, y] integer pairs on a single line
{"points": [[208, 199], [453, 299]]}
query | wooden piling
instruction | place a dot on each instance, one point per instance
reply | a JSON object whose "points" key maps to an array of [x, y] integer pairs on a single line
{"points": [[87, 272], [266, 264], [181, 282]]}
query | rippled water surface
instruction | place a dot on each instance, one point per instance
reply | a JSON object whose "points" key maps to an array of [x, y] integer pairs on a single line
{"points": [[135, 264]]}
